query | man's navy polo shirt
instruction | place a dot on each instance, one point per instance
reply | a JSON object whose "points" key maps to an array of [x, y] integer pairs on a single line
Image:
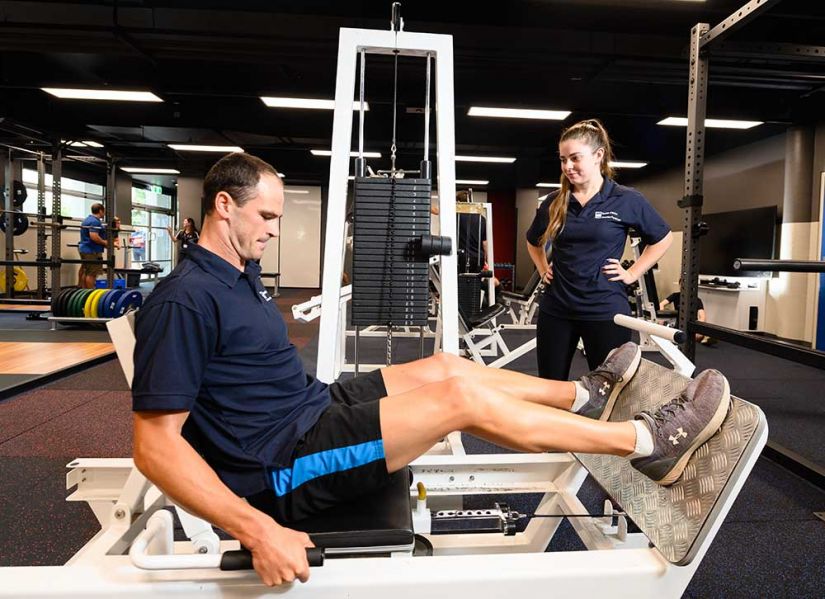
{"points": [[593, 233], [86, 245], [211, 341]]}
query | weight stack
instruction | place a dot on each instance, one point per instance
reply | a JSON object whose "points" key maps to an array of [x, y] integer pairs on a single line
{"points": [[469, 295], [389, 275]]}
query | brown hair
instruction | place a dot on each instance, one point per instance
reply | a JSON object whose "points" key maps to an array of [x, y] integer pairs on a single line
{"points": [[593, 133], [238, 175]]}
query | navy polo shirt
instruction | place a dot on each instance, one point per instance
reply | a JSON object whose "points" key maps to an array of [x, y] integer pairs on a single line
{"points": [[593, 233], [210, 340]]}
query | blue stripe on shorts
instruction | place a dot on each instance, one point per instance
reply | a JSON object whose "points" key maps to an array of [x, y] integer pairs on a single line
{"points": [[315, 465]]}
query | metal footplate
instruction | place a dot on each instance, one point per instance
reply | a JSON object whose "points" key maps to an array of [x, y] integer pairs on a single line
{"points": [[679, 520]]}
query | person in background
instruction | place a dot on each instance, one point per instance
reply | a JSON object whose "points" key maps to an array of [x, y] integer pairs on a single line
{"points": [[91, 246], [187, 235], [674, 299], [116, 231], [587, 221]]}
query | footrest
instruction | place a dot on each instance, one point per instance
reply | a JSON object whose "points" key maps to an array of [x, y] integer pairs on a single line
{"points": [[680, 519]]}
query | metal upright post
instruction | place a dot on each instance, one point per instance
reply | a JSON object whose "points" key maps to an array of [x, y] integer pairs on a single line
{"points": [[693, 198], [110, 211], [9, 206], [41, 229], [57, 218]]}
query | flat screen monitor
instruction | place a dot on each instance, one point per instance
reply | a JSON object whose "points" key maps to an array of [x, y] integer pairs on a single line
{"points": [[739, 234]]}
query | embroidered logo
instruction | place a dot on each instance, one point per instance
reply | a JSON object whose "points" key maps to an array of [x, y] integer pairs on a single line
{"points": [[265, 294], [599, 215], [679, 433]]}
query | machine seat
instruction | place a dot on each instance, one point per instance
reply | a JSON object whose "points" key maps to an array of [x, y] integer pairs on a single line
{"points": [[379, 519], [484, 316]]}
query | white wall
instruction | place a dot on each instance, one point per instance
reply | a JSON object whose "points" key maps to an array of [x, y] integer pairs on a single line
{"points": [[526, 204], [300, 241], [190, 193]]}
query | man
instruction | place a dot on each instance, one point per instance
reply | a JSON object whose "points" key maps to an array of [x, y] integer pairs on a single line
{"points": [[675, 300], [224, 409], [91, 246], [471, 231]]}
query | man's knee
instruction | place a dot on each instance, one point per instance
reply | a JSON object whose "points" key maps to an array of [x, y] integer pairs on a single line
{"points": [[461, 396], [449, 365]]}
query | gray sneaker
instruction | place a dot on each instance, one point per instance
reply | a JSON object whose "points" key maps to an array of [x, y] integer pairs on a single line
{"points": [[682, 425], [606, 382]]}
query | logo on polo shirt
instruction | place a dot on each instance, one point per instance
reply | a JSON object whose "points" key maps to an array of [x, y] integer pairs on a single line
{"points": [[611, 215], [265, 294]]}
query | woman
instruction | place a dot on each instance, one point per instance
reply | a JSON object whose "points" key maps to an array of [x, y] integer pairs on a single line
{"points": [[188, 234], [587, 222]]}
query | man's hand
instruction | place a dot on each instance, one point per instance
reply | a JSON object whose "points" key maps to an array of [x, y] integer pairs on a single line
{"points": [[280, 554]]}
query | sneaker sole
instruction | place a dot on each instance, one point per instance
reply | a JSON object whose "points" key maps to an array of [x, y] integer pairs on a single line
{"points": [[614, 395], [710, 429]]}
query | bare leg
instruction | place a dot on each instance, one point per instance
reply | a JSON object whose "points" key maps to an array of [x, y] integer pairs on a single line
{"points": [[442, 366], [411, 422]]}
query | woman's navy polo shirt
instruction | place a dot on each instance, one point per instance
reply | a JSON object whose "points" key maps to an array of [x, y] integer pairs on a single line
{"points": [[211, 341], [593, 233]]}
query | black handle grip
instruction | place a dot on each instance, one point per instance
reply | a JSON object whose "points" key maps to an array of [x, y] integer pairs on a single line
{"points": [[241, 559], [679, 337], [485, 274]]}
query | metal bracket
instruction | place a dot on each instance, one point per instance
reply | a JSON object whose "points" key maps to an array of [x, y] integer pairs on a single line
{"points": [[691, 201]]}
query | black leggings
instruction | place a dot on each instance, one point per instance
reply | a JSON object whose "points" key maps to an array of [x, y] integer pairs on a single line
{"points": [[556, 340]]}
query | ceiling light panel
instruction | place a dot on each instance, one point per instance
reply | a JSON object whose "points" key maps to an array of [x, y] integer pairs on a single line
{"points": [[518, 113], [307, 103], [201, 148], [498, 159], [679, 121], [102, 94]]}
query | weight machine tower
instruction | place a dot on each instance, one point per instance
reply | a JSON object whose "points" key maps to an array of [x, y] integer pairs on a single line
{"points": [[360, 42]]}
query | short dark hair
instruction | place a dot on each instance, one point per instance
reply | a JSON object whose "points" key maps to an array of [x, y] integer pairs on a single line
{"points": [[238, 175], [97, 207]]}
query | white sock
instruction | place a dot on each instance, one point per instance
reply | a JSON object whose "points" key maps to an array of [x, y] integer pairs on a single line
{"points": [[644, 440], [582, 397]]}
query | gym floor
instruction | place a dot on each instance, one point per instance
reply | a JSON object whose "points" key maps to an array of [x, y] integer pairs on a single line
{"points": [[771, 543]]}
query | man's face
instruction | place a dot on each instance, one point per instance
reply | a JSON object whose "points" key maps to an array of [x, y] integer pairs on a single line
{"points": [[252, 225]]}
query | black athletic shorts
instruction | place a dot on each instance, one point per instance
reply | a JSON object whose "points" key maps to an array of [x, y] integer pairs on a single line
{"points": [[338, 459]]}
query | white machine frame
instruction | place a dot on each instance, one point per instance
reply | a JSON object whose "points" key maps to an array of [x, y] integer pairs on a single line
{"points": [[351, 43]]}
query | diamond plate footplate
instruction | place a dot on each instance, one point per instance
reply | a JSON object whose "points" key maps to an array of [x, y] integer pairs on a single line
{"points": [[677, 518]]}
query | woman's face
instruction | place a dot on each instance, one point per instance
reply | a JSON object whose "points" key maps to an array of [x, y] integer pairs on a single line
{"points": [[187, 222], [579, 162]]}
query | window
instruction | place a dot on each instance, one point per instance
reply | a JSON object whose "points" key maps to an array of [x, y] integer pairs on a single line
{"points": [[151, 217], [76, 197], [153, 196]]}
